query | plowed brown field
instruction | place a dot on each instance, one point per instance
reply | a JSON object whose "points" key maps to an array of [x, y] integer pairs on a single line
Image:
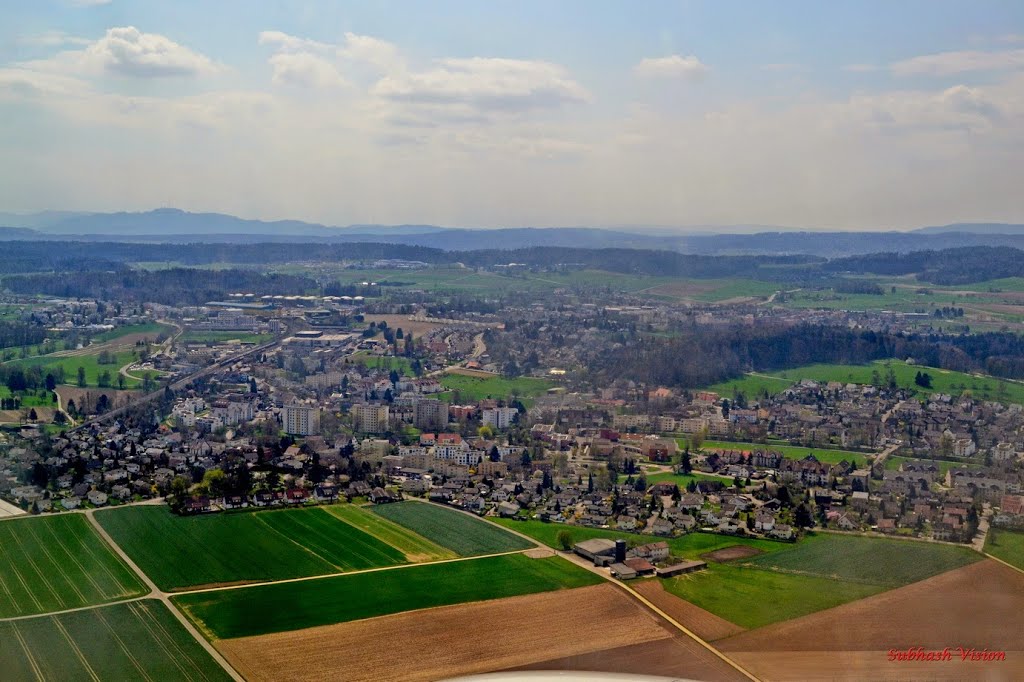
{"points": [[707, 625], [979, 606], [453, 640]]}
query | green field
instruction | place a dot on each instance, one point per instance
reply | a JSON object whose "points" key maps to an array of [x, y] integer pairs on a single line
{"points": [[223, 337], [943, 381], [473, 389], [682, 480], [137, 640], [154, 328], [789, 451], [454, 530], [386, 363], [878, 561], [292, 606], [752, 598], [178, 552], [1007, 545], [893, 462], [817, 573], [90, 363], [415, 547], [690, 546], [60, 562]]}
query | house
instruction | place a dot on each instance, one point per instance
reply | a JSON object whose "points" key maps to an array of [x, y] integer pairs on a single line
{"points": [[599, 550], [296, 496], [782, 531], [325, 492], [622, 571], [97, 498], [71, 502], [235, 502], [381, 496], [198, 505], [640, 566], [507, 509], [654, 551]]}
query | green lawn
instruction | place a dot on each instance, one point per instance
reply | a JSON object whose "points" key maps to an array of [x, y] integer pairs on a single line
{"points": [[893, 462], [178, 552], [154, 328], [682, 480], [750, 385], [690, 546], [58, 562], [472, 389], [292, 606], [138, 640], [223, 337], [90, 363], [816, 573], [789, 451], [1007, 545], [454, 530], [386, 363], [415, 547]]}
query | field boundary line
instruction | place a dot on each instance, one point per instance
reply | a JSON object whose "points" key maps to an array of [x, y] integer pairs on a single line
{"points": [[159, 641], [324, 576], [682, 628], [1004, 563], [42, 578], [90, 607], [21, 579], [28, 653], [125, 649], [153, 624], [74, 647], [74, 559], [297, 544], [56, 565], [324, 540]]}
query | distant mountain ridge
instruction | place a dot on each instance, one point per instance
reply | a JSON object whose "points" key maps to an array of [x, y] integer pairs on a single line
{"points": [[170, 225]]}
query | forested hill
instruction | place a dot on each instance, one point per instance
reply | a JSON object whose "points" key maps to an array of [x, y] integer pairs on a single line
{"points": [[950, 266]]}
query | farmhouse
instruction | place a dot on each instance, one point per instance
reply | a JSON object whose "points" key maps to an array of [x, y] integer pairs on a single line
{"points": [[599, 550]]}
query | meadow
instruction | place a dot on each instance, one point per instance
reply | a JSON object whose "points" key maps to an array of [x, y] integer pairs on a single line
{"points": [[689, 546], [943, 381], [386, 363], [1007, 545], [179, 552], [202, 336], [151, 328], [474, 389], [415, 547], [454, 530], [137, 640], [59, 562], [788, 451], [264, 609], [819, 572], [89, 362]]}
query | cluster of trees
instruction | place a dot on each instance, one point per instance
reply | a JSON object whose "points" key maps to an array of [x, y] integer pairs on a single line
{"points": [[948, 266], [699, 356]]}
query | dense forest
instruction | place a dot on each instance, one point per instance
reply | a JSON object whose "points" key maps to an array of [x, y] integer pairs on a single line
{"points": [[702, 356], [174, 286], [951, 266]]}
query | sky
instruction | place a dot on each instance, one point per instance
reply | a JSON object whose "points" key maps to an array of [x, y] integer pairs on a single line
{"points": [[824, 115]]}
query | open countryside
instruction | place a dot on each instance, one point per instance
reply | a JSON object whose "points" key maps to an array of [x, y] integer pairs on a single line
{"points": [[179, 552], [290, 606], [453, 530], [135, 640], [58, 563]]}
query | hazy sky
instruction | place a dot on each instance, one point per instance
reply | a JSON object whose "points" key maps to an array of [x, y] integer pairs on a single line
{"points": [[485, 113]]}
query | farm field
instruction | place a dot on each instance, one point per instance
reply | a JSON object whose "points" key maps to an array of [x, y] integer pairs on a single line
{"points": [[473, 389], [1007, 545], [263, 609], [789, 451], [60, 562], [690, 546], [818, 573], [547, 625], [877, 561], [201, 336], [180, 552], [454, 530], [980, 606], [415, 547], [386, 363], [137, 640]]}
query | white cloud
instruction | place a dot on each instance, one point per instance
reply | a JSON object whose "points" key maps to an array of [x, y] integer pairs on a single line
{"points": [[964, 61], [374, 51], [128, 51], [673, 66], [290, 43], [304, 69], [486, 84]]}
